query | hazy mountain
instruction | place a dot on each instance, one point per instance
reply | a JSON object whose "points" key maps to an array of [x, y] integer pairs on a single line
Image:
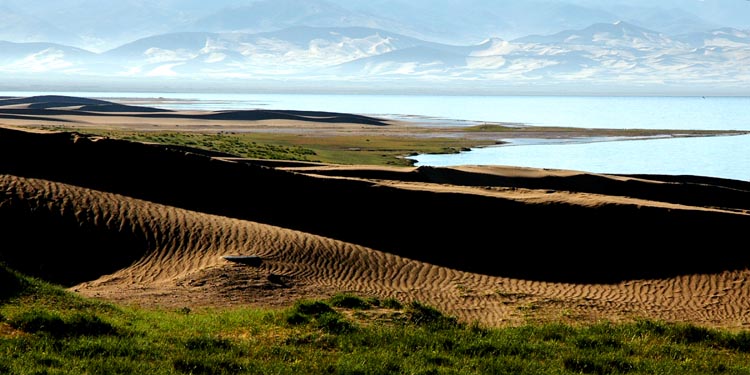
{"points": [[139, 49], [10, 50], [474, 20], [288, 51], [104, 24], [665, 20], [620, 34], [21, 27], [491, 43], [278, 14], [43, 58], [416, 60], [447, 21], [720, 37], [100, 24], [617, 53], [731, 13], [302, 36]]}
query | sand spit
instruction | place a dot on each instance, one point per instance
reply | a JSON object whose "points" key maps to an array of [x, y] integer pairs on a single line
{"points": [[71, 113], [148, 224]]}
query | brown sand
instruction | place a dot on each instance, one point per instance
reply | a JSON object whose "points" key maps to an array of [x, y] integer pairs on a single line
{"points": [[147, 225], [182, 267]]}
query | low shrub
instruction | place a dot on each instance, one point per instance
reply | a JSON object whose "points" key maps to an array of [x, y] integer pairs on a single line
{"points": [[80, 324], [320, 314], [350, 301], [424, 315]]}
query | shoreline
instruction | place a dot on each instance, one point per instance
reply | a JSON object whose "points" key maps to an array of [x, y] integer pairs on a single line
{"points": [[349, 138], [73, 112]]}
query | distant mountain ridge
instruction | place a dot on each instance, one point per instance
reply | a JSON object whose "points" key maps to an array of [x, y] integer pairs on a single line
{"points": [[601, 33], [617, 53], [100, 25]]}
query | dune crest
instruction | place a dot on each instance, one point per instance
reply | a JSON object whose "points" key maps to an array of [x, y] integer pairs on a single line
{"points": [[179, 264]]}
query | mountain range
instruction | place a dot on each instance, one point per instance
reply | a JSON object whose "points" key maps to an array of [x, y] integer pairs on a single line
{"points": [[578, 45]]}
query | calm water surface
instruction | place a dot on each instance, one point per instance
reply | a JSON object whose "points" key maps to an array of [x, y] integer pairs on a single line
{"points": [[727, 157]]}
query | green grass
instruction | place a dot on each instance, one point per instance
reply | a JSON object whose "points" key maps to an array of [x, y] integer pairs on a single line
{"points": [[350, 149], [491, 128], [46, 330], [234, 144], [370, 150]]}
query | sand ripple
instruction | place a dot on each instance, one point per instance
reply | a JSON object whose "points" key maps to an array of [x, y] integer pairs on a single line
{"points": [[174, 259]]}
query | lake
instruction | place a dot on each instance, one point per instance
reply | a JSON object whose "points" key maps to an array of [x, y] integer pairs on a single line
{"points": [[725, 157]]}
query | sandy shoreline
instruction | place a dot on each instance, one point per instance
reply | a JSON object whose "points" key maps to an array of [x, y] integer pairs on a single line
{"points": [[55, 112], [498, 245]]}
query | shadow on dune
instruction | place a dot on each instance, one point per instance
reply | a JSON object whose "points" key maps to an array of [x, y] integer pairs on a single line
{"points": [[25, 117], [687, 190], [54, 105], [261, 114], [561, 241], [52, 241], [12, 284], [120, 108], [60, 100]]}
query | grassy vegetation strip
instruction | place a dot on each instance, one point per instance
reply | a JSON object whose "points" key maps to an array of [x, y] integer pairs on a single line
{"points": [[44, 329], [353, 149], [369, 150], [234, 144]]}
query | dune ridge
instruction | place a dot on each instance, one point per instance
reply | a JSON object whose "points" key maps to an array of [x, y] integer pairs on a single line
{"points": [[148, 224], [180, 248], [426, 221], [179, 264]]}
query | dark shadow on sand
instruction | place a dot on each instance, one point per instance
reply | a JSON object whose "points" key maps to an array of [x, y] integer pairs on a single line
{"points": [[53, 106], [551, 242]]}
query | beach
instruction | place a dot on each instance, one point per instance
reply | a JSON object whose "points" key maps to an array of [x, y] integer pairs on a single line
{"points": [[148, 224]]}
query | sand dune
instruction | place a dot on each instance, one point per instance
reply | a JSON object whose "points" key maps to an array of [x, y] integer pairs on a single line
{"points": [[687, 190], [50, 107], [173, 259], [148, 224], [60, 100], [433, 221]]}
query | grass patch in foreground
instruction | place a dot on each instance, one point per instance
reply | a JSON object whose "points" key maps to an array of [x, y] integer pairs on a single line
{"points": [[46, 330]]}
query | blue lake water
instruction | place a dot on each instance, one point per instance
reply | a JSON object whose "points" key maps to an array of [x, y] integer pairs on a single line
{"points": [[726, 156]]}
